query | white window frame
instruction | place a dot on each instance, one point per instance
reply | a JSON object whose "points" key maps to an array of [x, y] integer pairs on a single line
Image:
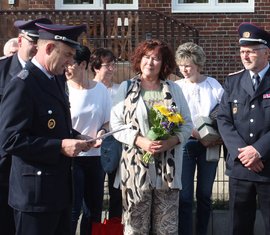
{"points": [[97, 5], [212, 7]]}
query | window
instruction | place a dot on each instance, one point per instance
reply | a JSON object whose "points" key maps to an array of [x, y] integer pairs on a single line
{"points": [[212, 6], [96, 4]]}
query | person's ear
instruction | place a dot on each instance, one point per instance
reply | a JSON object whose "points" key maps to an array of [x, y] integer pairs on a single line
{"points": [[83, 64], [19, 40], [50, 47], [96, 70]]}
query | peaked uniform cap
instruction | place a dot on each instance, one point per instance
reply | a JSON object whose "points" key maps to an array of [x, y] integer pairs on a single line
{"points": [[64, 33], [251, 34], [29, 26]]}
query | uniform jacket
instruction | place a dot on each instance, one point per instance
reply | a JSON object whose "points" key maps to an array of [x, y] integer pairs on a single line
{"points": [[35, 117], [9, 67], [244, 119]]}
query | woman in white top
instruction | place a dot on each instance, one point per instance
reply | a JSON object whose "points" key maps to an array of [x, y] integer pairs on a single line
{"points": [[202, 93], [90, 106], [103, 65]]}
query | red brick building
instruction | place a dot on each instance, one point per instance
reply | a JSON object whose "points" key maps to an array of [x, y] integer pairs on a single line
{"points": [[211, 23]]}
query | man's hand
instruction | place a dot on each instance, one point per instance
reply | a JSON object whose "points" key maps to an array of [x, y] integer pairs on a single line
{"points": [[249, 157], [72, 147]]}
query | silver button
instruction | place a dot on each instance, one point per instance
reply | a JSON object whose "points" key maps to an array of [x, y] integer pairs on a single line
{"points": [[253, 106], [251, 120], [235, 101], [49, 111], [251, 134], [39, 173]]}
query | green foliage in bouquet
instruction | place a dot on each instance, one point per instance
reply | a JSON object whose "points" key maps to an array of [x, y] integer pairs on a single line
{"points": [[164, 122]]}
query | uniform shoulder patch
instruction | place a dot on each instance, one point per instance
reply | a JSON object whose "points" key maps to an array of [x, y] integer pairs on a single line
{"points": [[237, 72], [23, 74]]}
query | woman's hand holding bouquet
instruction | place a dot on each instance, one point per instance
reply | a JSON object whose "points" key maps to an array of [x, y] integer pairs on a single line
{"points": [[164, 123]]}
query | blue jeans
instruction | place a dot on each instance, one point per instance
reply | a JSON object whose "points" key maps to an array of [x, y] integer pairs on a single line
{"points": [[195, 156], [88, 178]]}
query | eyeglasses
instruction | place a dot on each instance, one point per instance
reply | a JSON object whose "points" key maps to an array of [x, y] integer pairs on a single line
{"points": [[250, 52], [109, 65]]}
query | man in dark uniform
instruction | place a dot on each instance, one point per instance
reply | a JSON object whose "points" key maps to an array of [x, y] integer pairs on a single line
{"points": [[244, 124], [9, 67], [36, 130]]}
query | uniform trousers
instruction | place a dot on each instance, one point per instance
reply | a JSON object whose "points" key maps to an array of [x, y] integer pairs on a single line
{"points": [[243, 204], [43, 223], [7, 225], [157, 209]]}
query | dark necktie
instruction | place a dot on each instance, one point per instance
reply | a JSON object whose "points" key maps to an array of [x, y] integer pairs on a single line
{"points": [[256, 81]]}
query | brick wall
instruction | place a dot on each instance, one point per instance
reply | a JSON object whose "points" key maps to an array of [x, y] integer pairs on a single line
{"points": [[217, 31], [206, 23]]}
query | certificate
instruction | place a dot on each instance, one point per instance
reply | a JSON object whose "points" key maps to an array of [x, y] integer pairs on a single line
{"points": [[128, 126]]}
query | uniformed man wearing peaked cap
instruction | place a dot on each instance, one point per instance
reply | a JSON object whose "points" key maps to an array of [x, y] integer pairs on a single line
{"points": [[9, 67], [36, 130], [65, 34], [244, 124], [29, 28], [250, 34]]}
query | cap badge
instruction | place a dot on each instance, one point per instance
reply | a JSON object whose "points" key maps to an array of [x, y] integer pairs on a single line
{"points": [[246, 34], [51, 123]]}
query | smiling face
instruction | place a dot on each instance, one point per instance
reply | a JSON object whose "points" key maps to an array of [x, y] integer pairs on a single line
{"points": [[27, 47], [61, 56], [75, 71], [151, 64], [106, 71], [254, 57]]}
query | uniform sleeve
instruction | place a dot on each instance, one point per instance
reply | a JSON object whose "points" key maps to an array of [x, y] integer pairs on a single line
{"points": [[16, 119]]}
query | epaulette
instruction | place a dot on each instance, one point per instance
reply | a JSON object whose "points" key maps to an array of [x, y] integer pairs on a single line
{"points": [[230, 74], [23, 74]]}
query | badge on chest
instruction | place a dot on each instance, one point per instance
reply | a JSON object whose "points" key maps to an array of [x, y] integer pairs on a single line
{"points": [[51, 121], [235, 107]]}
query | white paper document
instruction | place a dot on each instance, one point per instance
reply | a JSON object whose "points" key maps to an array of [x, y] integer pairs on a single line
{"points": [[128, 126]]}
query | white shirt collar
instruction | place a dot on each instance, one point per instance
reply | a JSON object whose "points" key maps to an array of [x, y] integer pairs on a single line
{"points": [[261, 73], [22, 62], [36, 63]]}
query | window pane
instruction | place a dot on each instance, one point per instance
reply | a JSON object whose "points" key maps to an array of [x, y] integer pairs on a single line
{"points": [[119, 1], [192, 1], [232, 1], [78, 1]]}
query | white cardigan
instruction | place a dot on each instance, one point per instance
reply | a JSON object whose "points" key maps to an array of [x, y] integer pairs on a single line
{"points": [[128, 136]]}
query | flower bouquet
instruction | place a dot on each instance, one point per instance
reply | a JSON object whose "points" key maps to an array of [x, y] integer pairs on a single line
{"points": [[164, 122]]}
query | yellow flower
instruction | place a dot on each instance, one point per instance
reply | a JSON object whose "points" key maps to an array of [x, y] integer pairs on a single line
{"points": [[163, 110], [175, 118]]}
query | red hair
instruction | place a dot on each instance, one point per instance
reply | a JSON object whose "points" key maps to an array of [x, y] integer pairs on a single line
{"points": [[167, 57]]}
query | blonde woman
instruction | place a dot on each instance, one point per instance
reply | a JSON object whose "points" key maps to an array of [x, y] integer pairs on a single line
{"points": [[202, 93]]}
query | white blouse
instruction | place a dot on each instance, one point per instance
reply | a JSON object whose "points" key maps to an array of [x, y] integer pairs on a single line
{"points": [[201, 97]]}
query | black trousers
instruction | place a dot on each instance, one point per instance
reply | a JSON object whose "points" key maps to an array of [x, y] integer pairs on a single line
{"points": [[115, 204], [7, 226], [243, 204], [43, 223]]}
